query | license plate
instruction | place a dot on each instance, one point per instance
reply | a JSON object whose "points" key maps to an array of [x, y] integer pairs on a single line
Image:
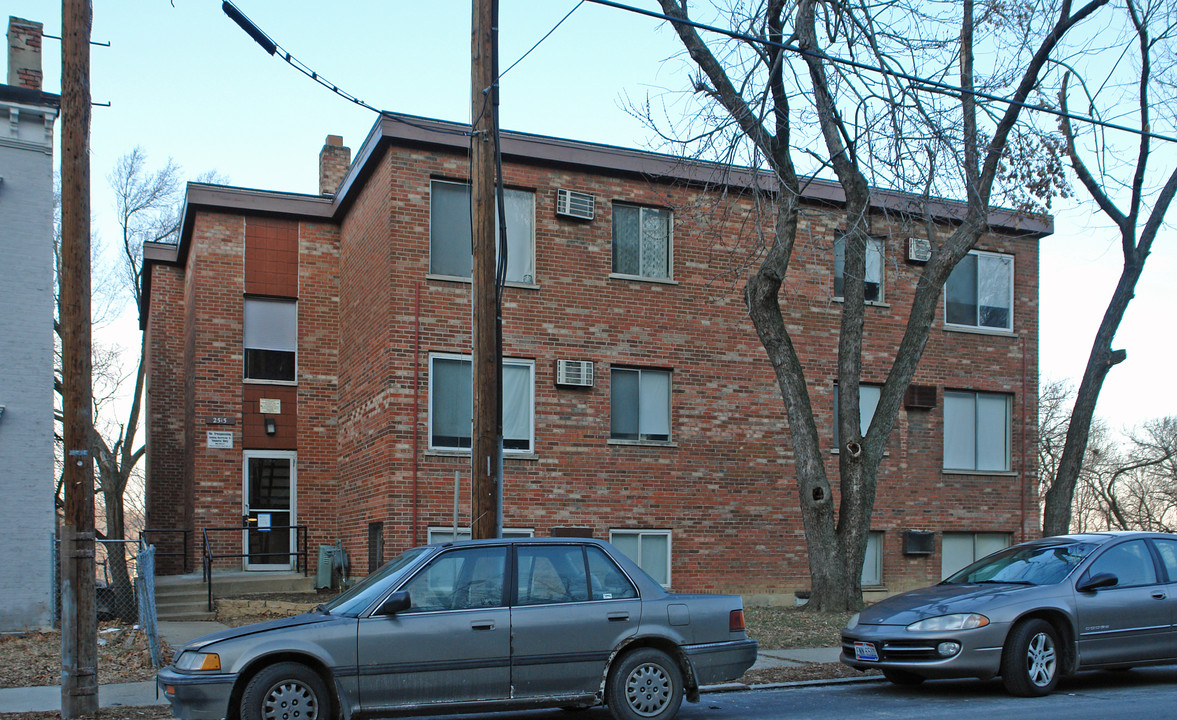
{"points": [[865, 651]]}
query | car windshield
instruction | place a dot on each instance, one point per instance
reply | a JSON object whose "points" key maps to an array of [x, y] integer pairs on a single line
{"points": [[365, 593], [1025, 565]]}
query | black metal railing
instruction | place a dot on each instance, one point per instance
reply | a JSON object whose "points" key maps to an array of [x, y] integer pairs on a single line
{"points": [[182, 554], [297, 556]]}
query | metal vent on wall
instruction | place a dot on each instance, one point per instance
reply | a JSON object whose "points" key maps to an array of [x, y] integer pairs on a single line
{"points": [[574, 373], [920, 397], [918, 542], [575, 204], [919, 249]]}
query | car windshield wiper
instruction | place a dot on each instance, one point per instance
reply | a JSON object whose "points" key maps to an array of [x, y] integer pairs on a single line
{"points": [[1004, 582], [321, 608]]}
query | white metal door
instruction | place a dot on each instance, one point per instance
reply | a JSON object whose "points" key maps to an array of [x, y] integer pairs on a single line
{"points": [[269, 509]]}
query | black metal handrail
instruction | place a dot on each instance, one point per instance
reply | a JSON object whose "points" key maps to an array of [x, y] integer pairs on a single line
{"points": [[184, 533], [208, 557]]}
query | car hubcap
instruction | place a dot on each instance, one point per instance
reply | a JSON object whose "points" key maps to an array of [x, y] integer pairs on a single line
{"points": [[290, 701], [648, 689], [1040, 660]]}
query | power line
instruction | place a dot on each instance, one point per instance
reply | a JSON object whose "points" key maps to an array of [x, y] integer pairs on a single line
{"points": [[273, 48], [931, 85]]}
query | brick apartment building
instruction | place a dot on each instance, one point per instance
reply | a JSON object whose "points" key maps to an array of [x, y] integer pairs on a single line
{"points": [[309, 364]]}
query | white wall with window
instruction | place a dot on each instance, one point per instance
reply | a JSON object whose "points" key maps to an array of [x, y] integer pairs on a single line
{"points": [[449, 232], [270, 329], [639, 405], [977, 431], [451, 403], [642, 242], [960, 549], [873, 282], [868, 400], [980, 292], [872, 562], [650, 549]]}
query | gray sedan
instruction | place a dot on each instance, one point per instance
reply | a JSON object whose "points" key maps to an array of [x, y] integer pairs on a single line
{"points": [[474, 626], [1030, 613]]}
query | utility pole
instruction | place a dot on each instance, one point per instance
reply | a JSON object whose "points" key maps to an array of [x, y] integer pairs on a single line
{"points": [[79, 631], [486, 453]]}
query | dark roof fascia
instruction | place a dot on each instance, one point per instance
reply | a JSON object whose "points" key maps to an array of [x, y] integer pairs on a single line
{"points": [[406, 130], [247, 201], [27, 96]]}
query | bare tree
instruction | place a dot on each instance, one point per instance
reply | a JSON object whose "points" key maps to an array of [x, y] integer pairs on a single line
{"points": [[782, 93], [1135, 488], [147, 209], [1125, 195]]}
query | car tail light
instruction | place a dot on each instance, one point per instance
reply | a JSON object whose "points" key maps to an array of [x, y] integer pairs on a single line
{"points": [[735, 621]]}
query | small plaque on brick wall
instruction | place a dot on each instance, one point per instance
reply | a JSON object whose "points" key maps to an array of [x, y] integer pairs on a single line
{"points": [[219, 420], [220, 440], [269, 406]]}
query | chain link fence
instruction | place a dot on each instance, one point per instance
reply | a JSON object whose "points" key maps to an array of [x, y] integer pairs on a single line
{"points": [[124, 586]]}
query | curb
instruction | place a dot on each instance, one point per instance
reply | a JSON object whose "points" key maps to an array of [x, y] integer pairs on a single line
{"points": [[741, 687]]}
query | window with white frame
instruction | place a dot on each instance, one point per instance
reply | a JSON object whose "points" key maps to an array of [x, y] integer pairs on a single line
{"points": [[270, 339], [446, 534], [979, 292], [450, 251], [873, 281], [872, 562], [957, 550], [976, 431], [641, 241], [639, 405], [868, 400], [650, 549], [451, 403]]}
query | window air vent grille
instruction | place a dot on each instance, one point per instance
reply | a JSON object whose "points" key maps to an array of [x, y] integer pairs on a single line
{"points": [[920, 397], [575, 204], [574, 373]]}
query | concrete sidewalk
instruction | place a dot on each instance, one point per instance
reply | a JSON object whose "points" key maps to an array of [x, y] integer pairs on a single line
{"points": [[176, 634]]}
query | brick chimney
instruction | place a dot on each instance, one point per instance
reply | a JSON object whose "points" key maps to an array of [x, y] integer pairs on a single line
{"points": [[24, 53], [334, 160]]}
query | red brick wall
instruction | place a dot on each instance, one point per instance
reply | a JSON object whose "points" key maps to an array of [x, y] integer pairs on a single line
{"points": [[369, 318]]}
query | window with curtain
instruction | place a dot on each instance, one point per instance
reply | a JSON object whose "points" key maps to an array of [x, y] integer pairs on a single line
{"points": [[872, 562], [641, 241], [271, 339], [639, 405], [450, 244], [958, 550], [868, 400], [873, 282], [451, 403], [650, 549], [979, 292], [976, 431]]}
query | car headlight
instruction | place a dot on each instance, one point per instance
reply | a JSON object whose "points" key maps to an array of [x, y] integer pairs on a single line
{"points": [[959, 621], [193, 660], [853, 621]]}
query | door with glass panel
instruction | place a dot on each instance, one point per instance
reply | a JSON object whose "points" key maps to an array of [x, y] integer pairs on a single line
{"points": [[269, 510]]}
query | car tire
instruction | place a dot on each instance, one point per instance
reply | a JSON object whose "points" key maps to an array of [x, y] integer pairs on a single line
{"points": [[286, 690], [903, 677], [1031, 661], [645, 684]]}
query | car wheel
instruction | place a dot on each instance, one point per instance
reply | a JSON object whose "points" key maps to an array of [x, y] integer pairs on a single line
{"points": [[1030, 659], [286, 691], [645, 684], [902, 677]]}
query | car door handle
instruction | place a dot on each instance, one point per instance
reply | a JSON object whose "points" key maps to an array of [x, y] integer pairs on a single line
{"points": [[618, 616], [1159, 595], [482, 625]]}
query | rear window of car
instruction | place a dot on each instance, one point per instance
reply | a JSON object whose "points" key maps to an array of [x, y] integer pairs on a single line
{"points": [[608, 582]]}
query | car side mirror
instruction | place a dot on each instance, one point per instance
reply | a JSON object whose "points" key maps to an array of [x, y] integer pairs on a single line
{"points": [[1097, 581], [395, 603]]}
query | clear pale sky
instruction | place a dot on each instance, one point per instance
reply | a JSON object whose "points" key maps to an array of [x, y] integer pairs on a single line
{"points": [[184, 81]]}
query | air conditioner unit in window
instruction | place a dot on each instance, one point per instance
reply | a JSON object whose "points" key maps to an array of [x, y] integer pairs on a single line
{"points": [[574, 373], [575, 204]]}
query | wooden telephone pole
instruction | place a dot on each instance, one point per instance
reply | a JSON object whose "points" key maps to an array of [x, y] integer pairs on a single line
{"points": [[486, 453], [79, 631]]}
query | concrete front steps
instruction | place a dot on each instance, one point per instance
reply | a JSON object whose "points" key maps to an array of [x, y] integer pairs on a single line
{"points": [[185, 597]]}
